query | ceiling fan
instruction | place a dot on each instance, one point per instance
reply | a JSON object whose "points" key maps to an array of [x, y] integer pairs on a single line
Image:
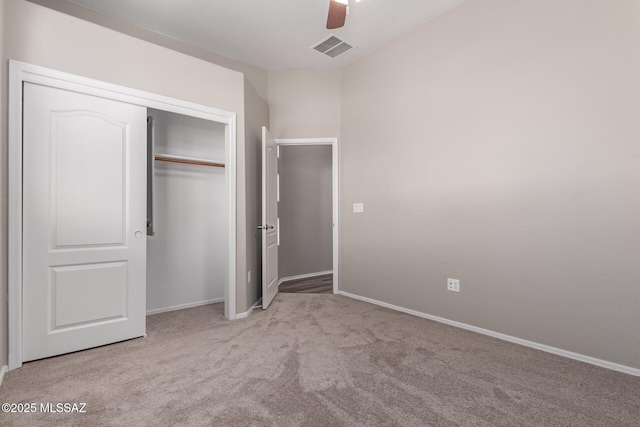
{"points": [[338, 11]]}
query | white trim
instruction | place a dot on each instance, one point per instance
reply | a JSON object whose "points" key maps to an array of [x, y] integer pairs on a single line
{"points": [[230, 178], [303, 276], [19, 73], [61, 80], [248, 312], [546, 348], [335, 172], [3, 371], [183, 306], [15, 216]]}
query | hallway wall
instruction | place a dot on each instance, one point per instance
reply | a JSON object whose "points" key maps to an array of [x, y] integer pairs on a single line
{"points": [[306, 210]]}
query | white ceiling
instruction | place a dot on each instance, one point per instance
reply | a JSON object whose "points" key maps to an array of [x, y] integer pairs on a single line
{"points": [[273, 34]]}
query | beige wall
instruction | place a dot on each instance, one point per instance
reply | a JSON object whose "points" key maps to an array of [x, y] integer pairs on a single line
{"points": [[3, 196], [45, 37], [305, 210], [304, 103], [256, 76], [498, 144], [256, 116]]}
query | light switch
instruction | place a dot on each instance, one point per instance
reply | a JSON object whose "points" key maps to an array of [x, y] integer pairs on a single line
{"points": [[358, 207]]}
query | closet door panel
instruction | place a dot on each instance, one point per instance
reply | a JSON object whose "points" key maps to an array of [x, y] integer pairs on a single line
{"points": [[84, 203], [88, 174], [88, 293]]}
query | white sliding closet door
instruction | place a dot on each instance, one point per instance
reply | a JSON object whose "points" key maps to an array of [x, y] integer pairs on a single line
{"points": [[84, 204]]}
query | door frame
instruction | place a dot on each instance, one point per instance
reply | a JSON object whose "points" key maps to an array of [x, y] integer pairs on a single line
{"points": [[20, 73], [333, 142]]}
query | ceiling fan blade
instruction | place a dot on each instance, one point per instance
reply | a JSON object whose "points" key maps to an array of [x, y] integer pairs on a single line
{"points": [[337, 15]]}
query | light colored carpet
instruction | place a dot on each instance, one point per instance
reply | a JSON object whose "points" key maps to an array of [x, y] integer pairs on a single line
{"points": [[319, 360]]}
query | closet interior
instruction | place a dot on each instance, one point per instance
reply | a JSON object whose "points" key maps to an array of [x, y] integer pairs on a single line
{"points": [[187, 225]]}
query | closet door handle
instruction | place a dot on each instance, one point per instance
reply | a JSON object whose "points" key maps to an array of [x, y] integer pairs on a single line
{"points": [[265, 227]]}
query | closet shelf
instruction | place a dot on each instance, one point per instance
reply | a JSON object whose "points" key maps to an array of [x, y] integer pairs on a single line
{"points": [[187, 160]]}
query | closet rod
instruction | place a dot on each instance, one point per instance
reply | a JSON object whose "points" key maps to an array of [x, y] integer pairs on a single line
{"points": [[187, 160]]}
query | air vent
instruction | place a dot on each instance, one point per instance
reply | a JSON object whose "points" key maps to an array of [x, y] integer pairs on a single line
{"points": [[333, 47]]}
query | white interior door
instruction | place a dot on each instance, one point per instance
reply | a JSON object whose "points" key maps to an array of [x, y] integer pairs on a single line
{"points": [[269, 225], [84, 204]]}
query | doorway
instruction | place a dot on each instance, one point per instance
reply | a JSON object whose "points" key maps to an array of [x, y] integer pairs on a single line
{"points": [[308, 209]]}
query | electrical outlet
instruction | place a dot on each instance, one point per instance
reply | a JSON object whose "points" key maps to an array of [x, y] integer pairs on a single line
{"points": [[453, 285]]}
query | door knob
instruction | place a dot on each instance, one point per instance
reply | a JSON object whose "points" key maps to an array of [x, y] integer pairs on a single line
{"points": [[265, 227]]}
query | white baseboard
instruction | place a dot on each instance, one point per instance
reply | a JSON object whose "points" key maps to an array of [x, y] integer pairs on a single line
{"points": [[303, 276], [183, 306], [248, 312], [557, 351], [3, 371]]}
